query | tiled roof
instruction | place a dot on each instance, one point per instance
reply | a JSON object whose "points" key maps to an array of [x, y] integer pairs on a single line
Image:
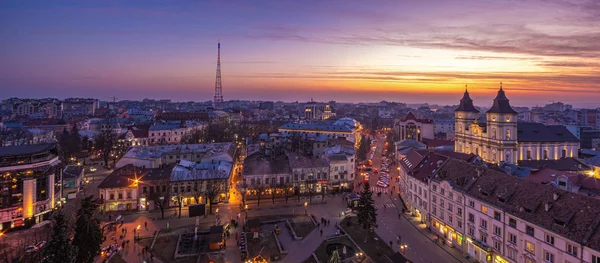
{"points": [[298, 161], [411, 116], [411, 160], [140, 131], [257, 164], [564, 164], [201, 171], [428, 166], [539, 132], [316, 127], [458, 173], [123, 177], [437, 143], [161, 127], [160, 173], [204, 149], [570, 215]]}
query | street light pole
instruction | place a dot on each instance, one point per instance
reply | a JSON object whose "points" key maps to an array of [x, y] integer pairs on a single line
{"points": [[305, 208]]}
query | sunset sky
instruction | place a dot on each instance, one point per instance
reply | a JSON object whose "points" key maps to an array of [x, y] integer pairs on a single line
{"points": [[343, 50]]}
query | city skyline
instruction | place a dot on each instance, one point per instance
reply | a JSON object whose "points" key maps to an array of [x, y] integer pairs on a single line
{"points": [[345, 51]]}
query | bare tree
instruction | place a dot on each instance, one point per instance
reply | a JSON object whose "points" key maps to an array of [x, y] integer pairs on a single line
{"points": [[259, 190], [310, 187], [322, 193], [287, 191], [297, 191], [212, 191], [160, 201], [273, 192], [180, 203]]}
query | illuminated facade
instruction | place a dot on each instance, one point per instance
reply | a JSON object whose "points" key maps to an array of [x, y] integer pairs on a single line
{"points": [[29, 189], [119, 190], [412, 128], [502, 139]]}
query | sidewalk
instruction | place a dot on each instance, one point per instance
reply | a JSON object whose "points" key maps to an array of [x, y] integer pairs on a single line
{"points": [[454, 252]]}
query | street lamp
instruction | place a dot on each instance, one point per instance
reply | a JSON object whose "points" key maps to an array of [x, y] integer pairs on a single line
{"points": [[246, 210], [403, 249], [305, 208]]}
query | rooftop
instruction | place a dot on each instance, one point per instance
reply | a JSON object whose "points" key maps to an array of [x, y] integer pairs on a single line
{"points": [[73, 170], [539, 132], [316, 127], [123, 177], [570, 215], [206, 149], [19, 150], [501, 104], [162, 127], [190, 171], [564, 164], [298, 161], [257, 164]]}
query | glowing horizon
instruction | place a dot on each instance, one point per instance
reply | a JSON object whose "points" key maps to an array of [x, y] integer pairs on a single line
{"points": [[411, 52]]}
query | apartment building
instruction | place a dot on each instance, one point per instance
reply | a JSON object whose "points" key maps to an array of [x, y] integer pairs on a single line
{"points": [[495, 217]]}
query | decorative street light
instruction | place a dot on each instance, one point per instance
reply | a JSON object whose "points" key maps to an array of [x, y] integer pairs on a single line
{"points": [[403, 249], [305, 208]]}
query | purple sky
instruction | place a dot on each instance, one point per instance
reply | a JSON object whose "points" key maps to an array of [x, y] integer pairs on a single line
{"points": [[410, 51]]}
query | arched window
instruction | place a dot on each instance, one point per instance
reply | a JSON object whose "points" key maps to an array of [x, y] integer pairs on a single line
{"points": [[507, 134], [507, 156]]}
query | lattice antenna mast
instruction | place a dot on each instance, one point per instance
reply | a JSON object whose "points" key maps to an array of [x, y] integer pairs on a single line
{"points": [[218, 88]]}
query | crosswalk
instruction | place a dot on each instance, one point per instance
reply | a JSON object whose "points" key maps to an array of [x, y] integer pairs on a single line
{"points": [[385, 205], [377, 189]]}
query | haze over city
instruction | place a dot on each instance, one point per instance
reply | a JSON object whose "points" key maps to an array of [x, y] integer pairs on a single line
{"points": [[409, 51]]}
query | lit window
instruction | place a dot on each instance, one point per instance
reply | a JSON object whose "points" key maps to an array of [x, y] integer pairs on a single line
{"points": [[529, 247]]}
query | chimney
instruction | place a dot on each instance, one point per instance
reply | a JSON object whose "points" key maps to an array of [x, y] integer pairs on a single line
{"points": [[479, 171], [555, 196], [547, 206]]}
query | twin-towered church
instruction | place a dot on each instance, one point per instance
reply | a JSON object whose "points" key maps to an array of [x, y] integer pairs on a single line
{"points": [[503, 139]]}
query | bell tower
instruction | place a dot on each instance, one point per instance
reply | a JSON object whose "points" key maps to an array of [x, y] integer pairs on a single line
{"points": [[464, 115], [501, 124]]}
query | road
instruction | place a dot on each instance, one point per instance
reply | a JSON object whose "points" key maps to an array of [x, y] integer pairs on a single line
{"points": [[420, 248]]}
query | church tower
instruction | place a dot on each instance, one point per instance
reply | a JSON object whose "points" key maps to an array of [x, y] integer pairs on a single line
{"points": [[501, 129], [464, 115]]}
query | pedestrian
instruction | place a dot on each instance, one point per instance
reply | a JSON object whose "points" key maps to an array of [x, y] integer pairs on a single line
{"points": [[123, 244], [151, 256], [329, 222], [143, 251], [321, 232]]}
